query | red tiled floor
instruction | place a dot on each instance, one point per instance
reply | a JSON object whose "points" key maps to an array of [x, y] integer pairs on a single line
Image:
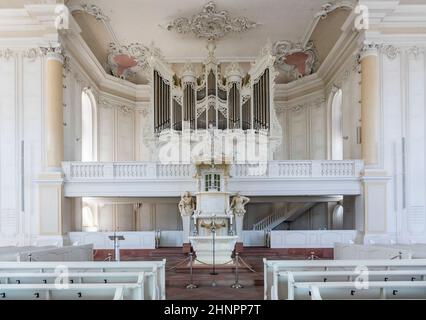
{"points": [[178, 278]]}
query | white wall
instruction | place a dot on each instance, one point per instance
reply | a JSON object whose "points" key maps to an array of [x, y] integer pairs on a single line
{"points": [[348, 79], [126, 215], [304, 124], [21, 110], [116, 133], [403, 117]]}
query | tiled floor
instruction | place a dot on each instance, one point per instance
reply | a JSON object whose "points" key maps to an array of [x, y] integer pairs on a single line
{"points": [[219, 286]]}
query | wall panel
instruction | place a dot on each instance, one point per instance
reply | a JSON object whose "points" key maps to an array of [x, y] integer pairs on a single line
{"points": [[125, 135], [298, 134], [415, 192], [9, 146], [106, 133]]}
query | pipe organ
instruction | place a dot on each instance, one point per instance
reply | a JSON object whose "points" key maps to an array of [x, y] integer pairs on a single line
{"points": [[161, 102], [219, 97]]}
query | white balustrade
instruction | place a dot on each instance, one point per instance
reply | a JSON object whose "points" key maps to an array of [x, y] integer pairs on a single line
{"points": [[150, 170], [274, 178]]}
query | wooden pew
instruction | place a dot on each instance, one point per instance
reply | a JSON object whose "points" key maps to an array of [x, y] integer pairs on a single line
{"points": [[80, 291], [155, 288], [282, 281], [274, 266], [347, 290], [85, 278]]}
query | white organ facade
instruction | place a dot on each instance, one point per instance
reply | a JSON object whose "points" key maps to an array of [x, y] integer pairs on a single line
{"points": [[327, 141]]}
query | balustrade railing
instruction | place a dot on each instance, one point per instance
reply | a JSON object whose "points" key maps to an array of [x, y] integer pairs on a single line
{"points": [[83, 171]]}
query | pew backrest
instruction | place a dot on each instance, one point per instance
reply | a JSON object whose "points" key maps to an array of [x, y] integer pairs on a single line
{"points": [[284, 279], [150, 285], [81, 291], [156, 267], [348, 290], [271, 267]]}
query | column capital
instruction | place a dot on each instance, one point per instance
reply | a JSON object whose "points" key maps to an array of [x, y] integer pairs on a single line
{"points": [[54, 53], [369, 49]]}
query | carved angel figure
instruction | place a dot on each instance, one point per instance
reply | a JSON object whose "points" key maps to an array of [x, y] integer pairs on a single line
{"points": [[186, 204], [238, 203]]}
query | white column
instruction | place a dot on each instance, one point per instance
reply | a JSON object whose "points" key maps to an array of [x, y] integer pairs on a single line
{"points": [[53, 114], [375, 181], [53, 223], [370, 103]]}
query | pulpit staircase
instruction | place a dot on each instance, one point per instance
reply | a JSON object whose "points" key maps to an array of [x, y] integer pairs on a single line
{"points": [[282, 213]]}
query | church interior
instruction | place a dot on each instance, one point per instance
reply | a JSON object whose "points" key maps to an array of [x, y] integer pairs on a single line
{"points": [[154, 150]]}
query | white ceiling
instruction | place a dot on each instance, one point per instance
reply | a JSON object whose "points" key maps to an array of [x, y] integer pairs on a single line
{"points": [[140, 20]]}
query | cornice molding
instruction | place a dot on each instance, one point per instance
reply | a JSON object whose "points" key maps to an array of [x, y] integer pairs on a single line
{"points": [[390, 51], [7, 53], [300, 87], [28, 53], [106, 100], [312, 101], [40, 18], [32, 53], [393, 51]]}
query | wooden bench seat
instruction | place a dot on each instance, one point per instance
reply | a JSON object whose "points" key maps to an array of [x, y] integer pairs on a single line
{"points": [[89, 272], [348, 290], [283, 280], [81, 291], [273, 267]]}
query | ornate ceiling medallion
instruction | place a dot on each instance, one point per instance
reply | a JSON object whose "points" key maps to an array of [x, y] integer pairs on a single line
{"points": [[294, 59], [211, 24]]}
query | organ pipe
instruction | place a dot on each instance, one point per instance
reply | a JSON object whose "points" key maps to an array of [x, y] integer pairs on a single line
{"points": [[254, 113], [261, 102], [162, 103]]}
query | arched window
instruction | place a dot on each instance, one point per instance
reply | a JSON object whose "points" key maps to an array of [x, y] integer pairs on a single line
{"points": [[88, 222], [337, 126], [338, 213], [88, 121]]}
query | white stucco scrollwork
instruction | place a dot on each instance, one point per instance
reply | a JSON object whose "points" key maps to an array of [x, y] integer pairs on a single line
{"points": [[211, 24]]}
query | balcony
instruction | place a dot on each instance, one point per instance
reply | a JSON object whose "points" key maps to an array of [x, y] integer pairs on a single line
{"points": [[150, 179]]}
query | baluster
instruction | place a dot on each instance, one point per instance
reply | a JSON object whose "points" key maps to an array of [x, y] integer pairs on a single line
{"points": [[117, 169]]}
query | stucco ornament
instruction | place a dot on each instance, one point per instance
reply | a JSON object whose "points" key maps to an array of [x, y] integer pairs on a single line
{"points": [[238, 204], [186, 204], [211, 24]]}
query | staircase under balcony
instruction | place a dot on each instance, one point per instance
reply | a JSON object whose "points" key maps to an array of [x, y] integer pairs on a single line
{"points": [[282, 213]]}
